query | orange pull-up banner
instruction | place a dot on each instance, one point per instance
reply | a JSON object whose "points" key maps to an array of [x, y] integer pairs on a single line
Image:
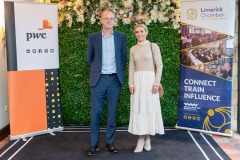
{"points": [[33, 68]]}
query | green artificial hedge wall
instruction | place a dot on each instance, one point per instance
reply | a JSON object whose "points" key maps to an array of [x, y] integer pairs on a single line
{"points": [[74, 73]]}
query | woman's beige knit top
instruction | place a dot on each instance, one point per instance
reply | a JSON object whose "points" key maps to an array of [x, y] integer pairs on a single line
{"points": [[141, 59]]}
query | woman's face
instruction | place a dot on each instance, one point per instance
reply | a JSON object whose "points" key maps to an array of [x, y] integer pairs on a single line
{"points": [[141, 34]]}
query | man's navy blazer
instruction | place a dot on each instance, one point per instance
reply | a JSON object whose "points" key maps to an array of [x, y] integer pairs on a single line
{"points": [[94, 56]]}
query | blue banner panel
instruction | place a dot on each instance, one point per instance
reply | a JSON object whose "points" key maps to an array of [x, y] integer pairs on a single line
{"points": [[206, 80], [205, 101]]}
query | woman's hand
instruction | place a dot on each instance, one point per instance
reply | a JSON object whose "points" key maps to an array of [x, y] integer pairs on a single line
{"points": [[155, 89], [132, 90]]}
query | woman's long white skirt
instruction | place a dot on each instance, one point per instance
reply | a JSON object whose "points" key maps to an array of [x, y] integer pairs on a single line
{"points": [[145, 112]]}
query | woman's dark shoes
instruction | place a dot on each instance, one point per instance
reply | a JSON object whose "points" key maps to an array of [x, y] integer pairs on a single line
{"points": [[92, 150], [111, 148]]}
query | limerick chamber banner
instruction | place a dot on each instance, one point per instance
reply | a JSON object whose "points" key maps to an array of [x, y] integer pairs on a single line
{"points": [[33, 68], [207, 48]]}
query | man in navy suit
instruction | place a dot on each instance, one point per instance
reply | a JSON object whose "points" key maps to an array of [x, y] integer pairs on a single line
{"points": [[106, 56]]}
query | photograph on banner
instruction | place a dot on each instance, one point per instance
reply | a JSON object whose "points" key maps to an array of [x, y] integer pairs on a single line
{"points": [[193, 36], [221, 68], [207, 52]]}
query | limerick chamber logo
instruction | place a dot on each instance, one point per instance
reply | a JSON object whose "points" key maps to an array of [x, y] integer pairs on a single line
{"points": [[192, 13], [46, 25]]}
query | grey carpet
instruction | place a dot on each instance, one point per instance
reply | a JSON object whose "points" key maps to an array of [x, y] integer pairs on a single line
{"points": [[73, 142]]}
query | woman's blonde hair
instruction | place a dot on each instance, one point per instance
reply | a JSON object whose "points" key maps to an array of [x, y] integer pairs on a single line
{"points": [[141, 25]]}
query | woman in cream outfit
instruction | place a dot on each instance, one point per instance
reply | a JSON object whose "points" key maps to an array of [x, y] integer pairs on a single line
{"points": [[144, 81]]}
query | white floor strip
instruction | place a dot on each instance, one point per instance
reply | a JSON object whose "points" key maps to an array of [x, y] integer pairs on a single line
{"points": [[89, 131], [78, 127], [20, 148], [102, 129], [81, 128], [198, 146], [9, 148], [211, 146]]}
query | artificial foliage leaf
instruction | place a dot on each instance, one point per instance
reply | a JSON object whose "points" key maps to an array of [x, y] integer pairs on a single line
{"points": [[74, 73]]}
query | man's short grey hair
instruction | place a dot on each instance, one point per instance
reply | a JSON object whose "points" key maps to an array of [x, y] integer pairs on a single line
{"points": [[108, 9]]}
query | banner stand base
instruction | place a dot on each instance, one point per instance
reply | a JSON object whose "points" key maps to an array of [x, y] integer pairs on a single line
{"points": [[204, 131], [23, 136]]}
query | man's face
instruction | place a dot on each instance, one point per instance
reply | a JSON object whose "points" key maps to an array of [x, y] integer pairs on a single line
{"points": [[107, 20], [227, 66]]}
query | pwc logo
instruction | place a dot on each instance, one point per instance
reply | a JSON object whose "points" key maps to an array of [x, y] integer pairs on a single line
{"points": [[45, 25]]}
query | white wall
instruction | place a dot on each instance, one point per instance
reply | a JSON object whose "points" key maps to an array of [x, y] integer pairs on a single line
{"points": [[235, 76], [4, 113]]}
